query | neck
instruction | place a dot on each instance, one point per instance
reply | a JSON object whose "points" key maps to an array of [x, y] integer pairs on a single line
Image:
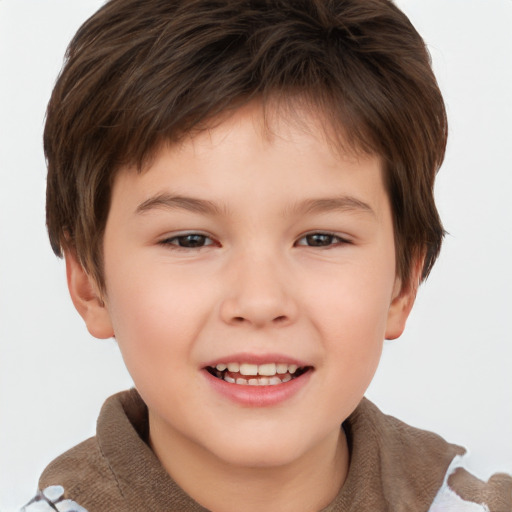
{"points": [[308, 484]]}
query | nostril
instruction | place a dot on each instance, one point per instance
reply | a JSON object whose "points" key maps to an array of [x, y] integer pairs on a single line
{"points": [[278, 319]]}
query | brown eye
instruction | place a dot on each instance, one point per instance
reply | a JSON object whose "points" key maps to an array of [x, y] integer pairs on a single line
{"points": [[321, 240], [190, 241]]}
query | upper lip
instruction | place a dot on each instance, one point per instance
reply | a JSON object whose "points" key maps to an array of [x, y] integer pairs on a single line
{"points": [[257, 359]]}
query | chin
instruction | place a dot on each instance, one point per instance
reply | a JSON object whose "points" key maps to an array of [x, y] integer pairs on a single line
{"points": [[257, 449], [259, 457]]}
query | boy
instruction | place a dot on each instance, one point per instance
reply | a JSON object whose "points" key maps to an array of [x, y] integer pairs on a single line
{"points": [[243, 193]]}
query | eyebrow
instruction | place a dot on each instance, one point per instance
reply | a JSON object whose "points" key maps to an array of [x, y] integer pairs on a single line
{"points": [[342, 203], [173, 202], [206, 207]]}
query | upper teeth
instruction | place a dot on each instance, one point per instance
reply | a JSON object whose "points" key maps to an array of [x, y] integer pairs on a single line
{"points": [[267, 369]]}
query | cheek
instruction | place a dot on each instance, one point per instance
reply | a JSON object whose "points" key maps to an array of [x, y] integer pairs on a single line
{"points": [[350, 312], [155, 317], [352, 303]]}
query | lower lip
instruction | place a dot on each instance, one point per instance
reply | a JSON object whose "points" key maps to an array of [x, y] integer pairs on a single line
{"points": [[258, 396]]}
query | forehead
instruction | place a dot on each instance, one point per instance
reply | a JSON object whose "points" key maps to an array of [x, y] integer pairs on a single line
{"points": [[284, 116], [257, 152]]}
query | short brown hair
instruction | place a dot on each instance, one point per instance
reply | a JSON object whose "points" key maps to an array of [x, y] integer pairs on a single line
{"points": [[140, 72]]}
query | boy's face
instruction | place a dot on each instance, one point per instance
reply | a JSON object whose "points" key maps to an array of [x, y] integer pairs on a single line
{"points": [[243, 245]]}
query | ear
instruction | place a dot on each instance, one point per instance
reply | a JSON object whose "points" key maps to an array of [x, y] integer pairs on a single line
{"points": [[404, 296], [87, 299]]}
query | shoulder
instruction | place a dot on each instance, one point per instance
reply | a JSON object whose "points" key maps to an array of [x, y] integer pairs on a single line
{"points": [[68, 483], [84, 462], [464, 492], [50, 499], [413, 469]]}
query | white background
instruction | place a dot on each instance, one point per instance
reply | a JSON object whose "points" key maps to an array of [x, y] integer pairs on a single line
{"points": [[451, 371]]}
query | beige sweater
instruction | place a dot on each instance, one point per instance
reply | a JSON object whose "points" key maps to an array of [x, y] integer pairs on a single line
{"points": [[393, 467]]}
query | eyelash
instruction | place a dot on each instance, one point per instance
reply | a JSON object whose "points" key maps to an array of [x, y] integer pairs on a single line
{"points": [[332, 239], [176, 242]]}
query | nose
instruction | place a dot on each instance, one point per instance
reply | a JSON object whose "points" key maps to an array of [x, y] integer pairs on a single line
{"points": [[259, 294]]}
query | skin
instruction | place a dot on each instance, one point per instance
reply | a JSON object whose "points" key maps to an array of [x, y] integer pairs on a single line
{"points": [[254, 285]]}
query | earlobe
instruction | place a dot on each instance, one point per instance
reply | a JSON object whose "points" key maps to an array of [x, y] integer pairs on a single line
{"points": [[402, 302], [87, 299]]}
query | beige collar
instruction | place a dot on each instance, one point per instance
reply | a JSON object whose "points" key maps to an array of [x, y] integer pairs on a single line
{"points": [[393, 466]]}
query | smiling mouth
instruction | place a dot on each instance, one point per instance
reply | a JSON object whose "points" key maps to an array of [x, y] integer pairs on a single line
{"points": [[247, 374]]}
